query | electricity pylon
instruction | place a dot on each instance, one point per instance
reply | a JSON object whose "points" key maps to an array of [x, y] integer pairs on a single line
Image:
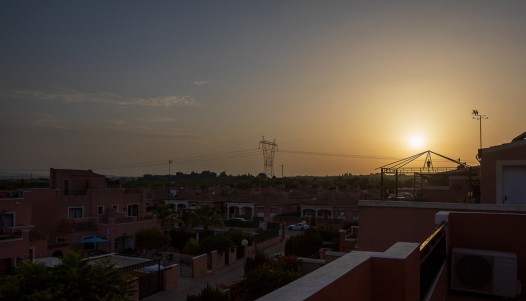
{"points": [[269, 149]]}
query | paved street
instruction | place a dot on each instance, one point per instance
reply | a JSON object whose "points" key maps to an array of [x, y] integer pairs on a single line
{"points": [[225, 276]]}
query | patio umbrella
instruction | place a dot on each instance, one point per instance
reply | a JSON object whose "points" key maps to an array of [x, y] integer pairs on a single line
{"points": [[93, 239]]}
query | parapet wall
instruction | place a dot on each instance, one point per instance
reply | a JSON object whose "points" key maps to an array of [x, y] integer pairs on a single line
{"points": [[390, 275]]}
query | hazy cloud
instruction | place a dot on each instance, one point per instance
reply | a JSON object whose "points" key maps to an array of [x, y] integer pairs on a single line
{"points": [[200, 82], [42, 119], [139, 123], [67, 95], [117, 122], [162, 119]]}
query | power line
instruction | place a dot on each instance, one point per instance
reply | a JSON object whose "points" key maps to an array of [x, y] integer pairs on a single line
{"points": [[187, 160], [337, 155], [213, 157]]}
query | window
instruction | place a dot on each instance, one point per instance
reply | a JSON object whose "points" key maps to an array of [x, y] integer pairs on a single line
{"points": [[31, 254], [7, 220], [100, 209], [66, 187], [133, 210], [76, 212]]}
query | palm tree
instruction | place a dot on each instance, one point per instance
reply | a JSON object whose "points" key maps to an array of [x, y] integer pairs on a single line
{"points": [[164, 215], [206, 216]]}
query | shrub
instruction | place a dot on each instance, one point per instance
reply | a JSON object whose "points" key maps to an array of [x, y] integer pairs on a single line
{"points": [[211, 243], [191, 247], [179, 237], [304, 245], [210, 293]]}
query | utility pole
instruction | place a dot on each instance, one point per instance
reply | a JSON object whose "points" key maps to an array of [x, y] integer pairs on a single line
{"points": [[169, 171], [269, 149], [479, 117]]}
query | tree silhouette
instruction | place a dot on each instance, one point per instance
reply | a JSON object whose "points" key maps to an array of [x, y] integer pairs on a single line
{"points": [[151, 239], [164, 215], [206, 216], [73, 279]]}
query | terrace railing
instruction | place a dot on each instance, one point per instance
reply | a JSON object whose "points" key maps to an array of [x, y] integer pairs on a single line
{"points": [[432, 259], [77, 225], [10, 233]]}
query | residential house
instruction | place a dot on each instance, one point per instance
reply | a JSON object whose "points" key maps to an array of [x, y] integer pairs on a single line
{"points": [[19, 239], [38, 223], [503, 172]]}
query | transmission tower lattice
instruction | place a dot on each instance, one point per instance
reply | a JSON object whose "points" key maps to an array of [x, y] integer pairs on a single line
{"points": [[269, 149]]}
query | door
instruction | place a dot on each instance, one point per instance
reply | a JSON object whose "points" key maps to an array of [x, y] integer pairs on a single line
{"points": [[514, 185]]}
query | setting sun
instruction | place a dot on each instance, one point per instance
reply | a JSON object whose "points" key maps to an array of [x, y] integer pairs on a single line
{"points": [[416, 141]]}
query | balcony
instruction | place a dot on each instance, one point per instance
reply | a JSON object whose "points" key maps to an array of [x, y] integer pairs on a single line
{"points": [[14, 233], [12, 194], [77, 225], [409, 271], [124, 220], [9, 234]]}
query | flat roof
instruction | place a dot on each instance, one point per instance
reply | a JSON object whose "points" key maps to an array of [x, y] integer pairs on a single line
{"points": [[443, 206]]}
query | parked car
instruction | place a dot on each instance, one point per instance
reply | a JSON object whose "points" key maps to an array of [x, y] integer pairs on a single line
{"points": [[298, 227], [237, 222], [277, 255]]}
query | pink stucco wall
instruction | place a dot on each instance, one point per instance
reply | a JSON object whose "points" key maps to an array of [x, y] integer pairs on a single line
{"points": [[396, 279], [78, 181], [488, 166], [44, 208], [199, 266], [171, 277], [381, 227], [361, 288], [218, 260], [232, 255]]}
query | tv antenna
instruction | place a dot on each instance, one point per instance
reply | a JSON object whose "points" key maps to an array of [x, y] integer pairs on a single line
{"points": [[479, 117], [269, 149]]}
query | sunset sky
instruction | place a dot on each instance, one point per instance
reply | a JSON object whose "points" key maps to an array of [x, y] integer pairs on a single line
{"points": [[122, 87]]}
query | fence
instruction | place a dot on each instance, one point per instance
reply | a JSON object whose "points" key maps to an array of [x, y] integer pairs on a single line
{"points": [[150, 283], [185, 264]]}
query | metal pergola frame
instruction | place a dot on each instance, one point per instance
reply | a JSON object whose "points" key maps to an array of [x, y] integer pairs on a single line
{"points": [[400, 167]]}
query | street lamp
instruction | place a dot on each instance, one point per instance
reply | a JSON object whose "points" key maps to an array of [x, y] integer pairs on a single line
{"points": [[479, 117], [244, 243]]}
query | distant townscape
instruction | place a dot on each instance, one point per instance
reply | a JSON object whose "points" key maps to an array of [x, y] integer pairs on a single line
{"points": [[168, 229]]}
